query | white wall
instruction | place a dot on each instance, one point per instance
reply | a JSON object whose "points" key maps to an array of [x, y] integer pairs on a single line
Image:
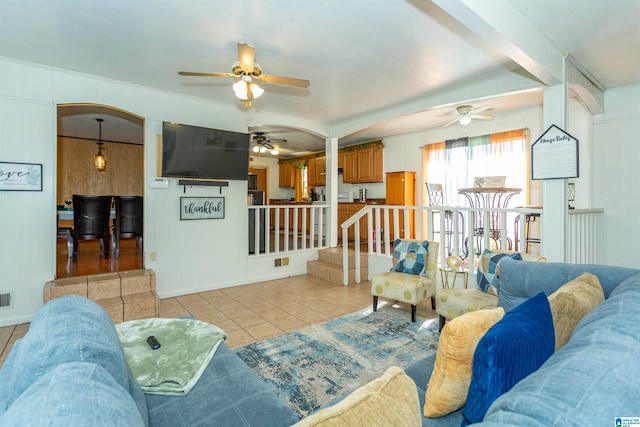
{"points": [[209, 254], [615, 162], [191, 255]]}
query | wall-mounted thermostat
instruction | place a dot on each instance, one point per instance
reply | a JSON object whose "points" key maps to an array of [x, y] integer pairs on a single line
{"points": [[158, 182]]}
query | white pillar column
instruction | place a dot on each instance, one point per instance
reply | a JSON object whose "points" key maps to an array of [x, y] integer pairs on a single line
{"points": [[554, 198], [331, 176]]}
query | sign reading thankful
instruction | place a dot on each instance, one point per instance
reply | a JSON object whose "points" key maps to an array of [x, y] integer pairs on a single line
{"points": [[201, 207]]}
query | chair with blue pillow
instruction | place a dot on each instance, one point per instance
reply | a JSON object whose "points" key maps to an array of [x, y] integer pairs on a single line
{"points": [[454, 302], [412, 279]]}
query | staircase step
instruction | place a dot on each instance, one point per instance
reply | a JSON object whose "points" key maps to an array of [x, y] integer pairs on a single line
{"points": [[333, 272], [335, 256]]}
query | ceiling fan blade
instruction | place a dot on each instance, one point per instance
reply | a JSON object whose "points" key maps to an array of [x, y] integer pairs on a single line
{"points": [[287, 81], [191, 73], [277, 140], [247, 57], [481, 109], [451, 122], [482, 117]]}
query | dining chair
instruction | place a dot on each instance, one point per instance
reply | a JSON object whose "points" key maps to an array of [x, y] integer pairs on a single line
{"points": [[91, 221], [435, 194], [128, 221]]}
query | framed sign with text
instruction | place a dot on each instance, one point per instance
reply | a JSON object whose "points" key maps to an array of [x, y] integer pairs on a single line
{"points": [[20, 176], [554, 155], [201, 208]]}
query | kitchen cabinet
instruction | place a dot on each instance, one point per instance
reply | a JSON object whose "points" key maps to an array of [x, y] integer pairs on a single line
{"points": [[401, 191], [363, 165], [341, 159], [350, 167], [346, 211], [316, 169], [287, 175], [370, 164]]}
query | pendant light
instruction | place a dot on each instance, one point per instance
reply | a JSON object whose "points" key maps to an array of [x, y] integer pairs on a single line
{"points": [[99, 160]]}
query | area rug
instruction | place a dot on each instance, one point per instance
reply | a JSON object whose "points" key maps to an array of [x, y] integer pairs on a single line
{"points": [[313, 366]]}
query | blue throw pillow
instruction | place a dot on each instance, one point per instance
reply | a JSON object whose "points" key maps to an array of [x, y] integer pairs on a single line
{"points": [[410, 257], [512, 349], [489, 270]]}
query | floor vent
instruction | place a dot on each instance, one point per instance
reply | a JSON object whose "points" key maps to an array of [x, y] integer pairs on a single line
{"points": [[6, 300]]}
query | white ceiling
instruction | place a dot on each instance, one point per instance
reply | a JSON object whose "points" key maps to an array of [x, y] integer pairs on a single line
{"points": [[377, 67]]}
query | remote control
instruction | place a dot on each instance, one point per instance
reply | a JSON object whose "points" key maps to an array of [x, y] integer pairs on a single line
{"points": [[153, 342]]}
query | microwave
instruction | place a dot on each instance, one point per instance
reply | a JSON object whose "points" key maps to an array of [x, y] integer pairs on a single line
{"points": [[345, 197]]}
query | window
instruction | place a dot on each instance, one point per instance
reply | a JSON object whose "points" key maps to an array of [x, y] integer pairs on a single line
{"points": [[455, 163]]}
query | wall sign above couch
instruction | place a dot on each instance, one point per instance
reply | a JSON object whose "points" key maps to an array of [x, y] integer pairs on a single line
{"points": [[201, 208]]}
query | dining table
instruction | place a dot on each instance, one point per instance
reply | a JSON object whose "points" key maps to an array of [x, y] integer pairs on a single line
{"points": [[66, 214], [489, 198]]}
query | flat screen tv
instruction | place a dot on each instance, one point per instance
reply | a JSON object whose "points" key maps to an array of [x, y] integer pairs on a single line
{"points": [[202, 153]]}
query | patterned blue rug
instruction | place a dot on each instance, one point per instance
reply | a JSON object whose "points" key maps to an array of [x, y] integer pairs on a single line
{"points": [[311, 367]]}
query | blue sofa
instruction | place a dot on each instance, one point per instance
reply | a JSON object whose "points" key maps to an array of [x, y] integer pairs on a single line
{"points": [[592, 380], [70, 370]]}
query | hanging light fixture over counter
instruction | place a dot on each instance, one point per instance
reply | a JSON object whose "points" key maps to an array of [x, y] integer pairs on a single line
{"points": [[99, 160]]}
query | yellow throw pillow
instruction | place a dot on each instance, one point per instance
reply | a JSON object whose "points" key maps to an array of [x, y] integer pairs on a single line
{"points": [[388, 401], [571, 302], [451, 376]]}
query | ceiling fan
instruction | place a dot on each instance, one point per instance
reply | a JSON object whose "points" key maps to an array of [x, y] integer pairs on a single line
{"points": [[466, 112], [262, 144], [247, 69]]}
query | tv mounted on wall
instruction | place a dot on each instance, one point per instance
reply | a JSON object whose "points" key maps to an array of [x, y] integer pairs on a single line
{"points": [[202, 153]]}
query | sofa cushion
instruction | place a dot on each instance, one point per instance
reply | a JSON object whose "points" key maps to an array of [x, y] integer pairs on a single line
{"points": [[388, 401], [520, 280], [571, 303], [74, 394], [592, 379], [513, 348], [451, 376], [410, 257], [68, 329], [454, 302], [228, 393], [489, 269]]}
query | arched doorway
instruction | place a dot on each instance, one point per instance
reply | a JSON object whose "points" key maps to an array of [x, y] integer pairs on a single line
{"points": [[80, 127]]}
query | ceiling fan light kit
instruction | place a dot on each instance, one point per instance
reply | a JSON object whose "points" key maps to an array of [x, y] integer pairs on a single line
{"points": [[466, 113], [247, 69], [262, 144]]}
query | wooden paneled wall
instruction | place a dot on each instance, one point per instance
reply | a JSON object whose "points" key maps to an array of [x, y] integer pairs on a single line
{"points": [[123, 176]]}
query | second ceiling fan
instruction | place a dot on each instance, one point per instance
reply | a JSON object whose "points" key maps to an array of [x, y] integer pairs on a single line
{"points": [[262, 144], [247, 69], [465, 113]]}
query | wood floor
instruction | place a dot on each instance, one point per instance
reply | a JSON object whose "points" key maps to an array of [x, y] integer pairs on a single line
{"points": [[91, 261]]}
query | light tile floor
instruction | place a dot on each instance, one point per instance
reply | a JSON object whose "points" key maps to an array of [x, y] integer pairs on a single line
{"points": [[258, 311]]}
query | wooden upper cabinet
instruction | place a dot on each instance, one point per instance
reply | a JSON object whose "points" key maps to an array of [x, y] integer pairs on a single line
{"points": [[370, 164], [311, 172], [316, 171], [362, 164], [321, 170], [287, 175], [350, 168]]}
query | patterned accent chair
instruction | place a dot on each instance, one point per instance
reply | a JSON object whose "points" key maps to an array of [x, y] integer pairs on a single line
{"points": [[412, 278], [454, 302]]}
